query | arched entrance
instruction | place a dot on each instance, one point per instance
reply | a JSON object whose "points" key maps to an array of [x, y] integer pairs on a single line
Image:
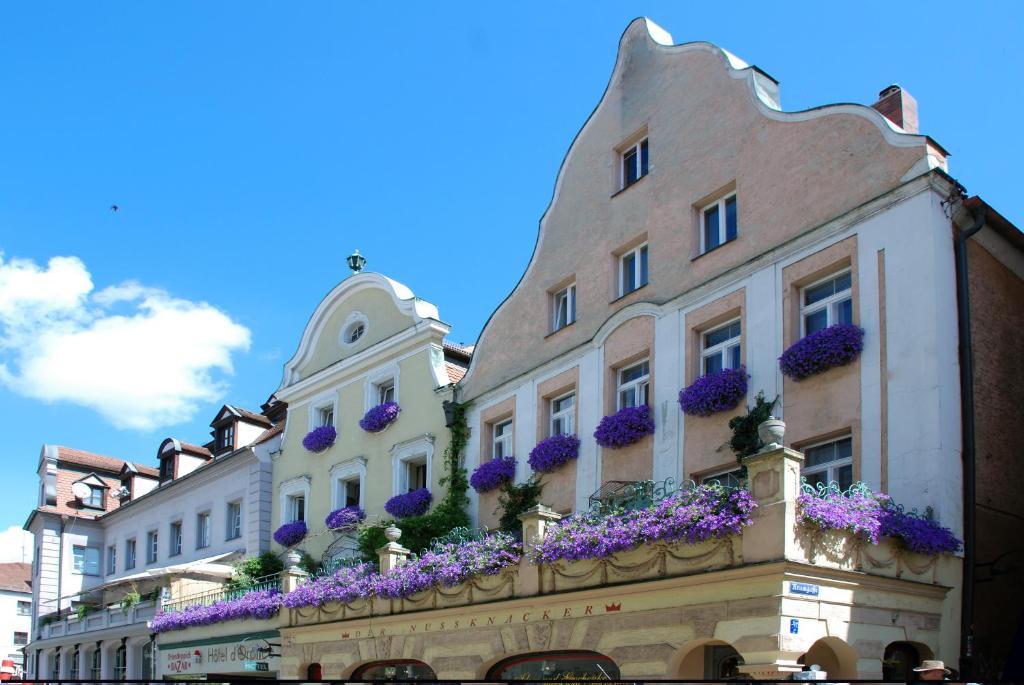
{"points": [[836, 658], [710, 660], [900, 659], [561, 665], [314, 673], [394, 669]]}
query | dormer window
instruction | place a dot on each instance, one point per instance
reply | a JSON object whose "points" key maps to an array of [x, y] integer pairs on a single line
{"points": [[167, 469], [95, 497], [226, 437]]}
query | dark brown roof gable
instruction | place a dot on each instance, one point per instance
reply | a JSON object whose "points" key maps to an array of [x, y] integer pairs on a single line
{"points": [[16, 577], [243, 414], [140, 469], [195, 449]]}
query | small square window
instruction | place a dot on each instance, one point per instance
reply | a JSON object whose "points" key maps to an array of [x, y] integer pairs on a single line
{"points": [[24, 608], [20, 638], [633, 384], [386, 391], [564, 307], [633, 270], [829, 462], [721, 348], [95, 498], [86, 560], [826, 303], [349, 490], [634, 163], [719, 223], [325, 415], [563, 415]]}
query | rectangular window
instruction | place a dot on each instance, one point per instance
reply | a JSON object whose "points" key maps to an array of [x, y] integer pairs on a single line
{"points": [[348, 492], [203, 530], [152, 547], [829, 462], [86, 560], [386, 392], [501, 445], [564, 307], [166, 469], [96, 664], [731, 478], [325, 415], [563, 415], [718, 223], [111, 560], [234, 520], [175, 546], [634, 163], [721, 348], [226, 437], [129, 553], [296, 509], [95, 497], [20, 638], [633, 384], [24, 608], [826, 303], [416, 473], [633, 270]]}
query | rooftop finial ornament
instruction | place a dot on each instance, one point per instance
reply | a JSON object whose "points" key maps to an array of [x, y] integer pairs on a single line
{"points": [[356, 262]]}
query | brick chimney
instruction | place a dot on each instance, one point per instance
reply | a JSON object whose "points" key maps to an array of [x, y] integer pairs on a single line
{"points": [[899, 107]]}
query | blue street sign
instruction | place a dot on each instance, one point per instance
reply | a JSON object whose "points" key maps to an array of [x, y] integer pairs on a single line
{"points": [[794, 626], [803, 589]]}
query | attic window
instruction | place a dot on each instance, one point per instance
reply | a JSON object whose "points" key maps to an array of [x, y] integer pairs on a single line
{"points": [[354, 332], [167, 469], [354, 328], [95, 498], [226, 437]]}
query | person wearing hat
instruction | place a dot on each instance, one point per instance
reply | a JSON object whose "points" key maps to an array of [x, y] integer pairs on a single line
{"points": [[932, 670]]}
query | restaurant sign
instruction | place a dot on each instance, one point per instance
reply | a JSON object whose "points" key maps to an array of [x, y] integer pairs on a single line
{"points": [[235, 654]]}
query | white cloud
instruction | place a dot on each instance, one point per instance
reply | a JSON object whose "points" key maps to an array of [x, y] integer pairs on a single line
{"points": [[138, 356], [15, 545]]}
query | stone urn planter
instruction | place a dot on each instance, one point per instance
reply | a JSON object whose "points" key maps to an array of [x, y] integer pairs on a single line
{"points": [[392, 533], [292, 558], [771, 433]]}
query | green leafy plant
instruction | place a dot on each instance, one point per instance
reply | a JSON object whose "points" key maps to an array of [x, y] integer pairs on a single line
{"points": [[248, 570], [514, 500], [308, 564], [129, 600], [450, 512], [745, 440], [83, 610]]}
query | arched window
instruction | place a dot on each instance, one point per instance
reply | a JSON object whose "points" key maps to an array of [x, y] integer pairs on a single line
{"points": [[96, 665], [899, 661], [73, 671], [395, 669], [721, 661], [121, 662], [555, 666], [314, 672]]}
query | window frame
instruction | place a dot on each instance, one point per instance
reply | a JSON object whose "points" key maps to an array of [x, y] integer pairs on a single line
{"points": [[352, 470], [93, 491], [566, 415], [152, 546], [96, 664], [111, 559], [175, 541], [233, 527], [226, 436], [322, 406], [292, 509], [640, 253], [568, 295], [723, 229], [204, 529], [716, 475], [641, 151], [18, 608], [129, 554], [120, 662], [85, 566], [16, 634], [723, 348], [642, 383], [504, 439], [828, 467], [829, 304]]}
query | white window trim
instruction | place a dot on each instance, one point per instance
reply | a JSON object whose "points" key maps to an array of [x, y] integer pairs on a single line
{"points": [[85, 565], [634, 146], [636, 269], [376, 378], [355, 317], [152, 556], [717, 473], [828, 466], [828, 303], [568, 414], [720, 203], [722, 347], [345, 471], [299, 485], [570, 306], [643, 380], [324, 401], [505, 439], [407, 451], [209, 527], [241, 518], [170, 536]]}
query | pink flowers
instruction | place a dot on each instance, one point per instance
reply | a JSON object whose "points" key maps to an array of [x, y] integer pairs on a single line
{"points": [[624, 427]]}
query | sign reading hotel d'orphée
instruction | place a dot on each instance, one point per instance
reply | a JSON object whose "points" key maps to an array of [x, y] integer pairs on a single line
{"points": [[223, 657]]}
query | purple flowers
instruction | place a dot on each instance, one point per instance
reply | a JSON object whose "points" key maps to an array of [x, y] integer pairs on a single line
{"points": [[552, 452], [872, 515], [624, 427], [290, 534], [833, 346], [412, 503], [493, 473], [261, 604], [379, 417], [692, 515], [345, 519], [320, 438], [719, 391]]}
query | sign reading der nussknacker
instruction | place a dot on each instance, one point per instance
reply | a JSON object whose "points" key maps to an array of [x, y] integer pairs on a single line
{"points": [[232, 654]]}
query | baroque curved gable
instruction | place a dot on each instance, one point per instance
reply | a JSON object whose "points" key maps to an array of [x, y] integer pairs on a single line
{"points": [[714, 126]]}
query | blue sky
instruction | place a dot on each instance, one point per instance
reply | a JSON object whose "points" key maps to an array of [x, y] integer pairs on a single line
{"points": [[252, 146]]}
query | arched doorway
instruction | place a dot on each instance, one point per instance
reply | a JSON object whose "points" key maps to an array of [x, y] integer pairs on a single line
{"points": [[835, 657], [711, 660], [900, 659], [314, 672], [394, 669], [561, 665]]}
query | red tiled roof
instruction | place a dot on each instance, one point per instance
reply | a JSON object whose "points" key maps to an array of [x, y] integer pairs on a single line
{"points": [[269, 433], [195, 449], [88, 459], [460, 350], [146, 470], [16, 577], [254, 417], [455, 372]]}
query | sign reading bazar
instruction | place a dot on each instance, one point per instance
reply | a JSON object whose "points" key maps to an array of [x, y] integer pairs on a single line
{"points": [[235, 654]]}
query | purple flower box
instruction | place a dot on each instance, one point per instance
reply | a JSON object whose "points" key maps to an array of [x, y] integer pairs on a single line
{"points": [[291, 534], [820, 351], [551, 453], [380, 417], [262, 604], [491, 474], [624, 427], [345, 519], [320, 438], [413, 503], [690, 515], [719, 391]]}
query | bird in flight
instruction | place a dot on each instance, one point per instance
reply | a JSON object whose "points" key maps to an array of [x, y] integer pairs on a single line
{"points": [[114, 208]]}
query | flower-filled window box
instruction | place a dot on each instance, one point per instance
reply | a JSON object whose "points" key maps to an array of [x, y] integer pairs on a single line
{"points": [[291, 534], [380, 417], [345, 519], [551, 453], [820, 351], [492, 474], [715, 392], [320, 438], [624, 427], [413, 503]]}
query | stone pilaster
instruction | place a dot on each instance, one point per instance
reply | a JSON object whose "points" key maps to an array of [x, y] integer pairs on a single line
{"points": [[773, 476], [392, 555], [536, 522]]}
